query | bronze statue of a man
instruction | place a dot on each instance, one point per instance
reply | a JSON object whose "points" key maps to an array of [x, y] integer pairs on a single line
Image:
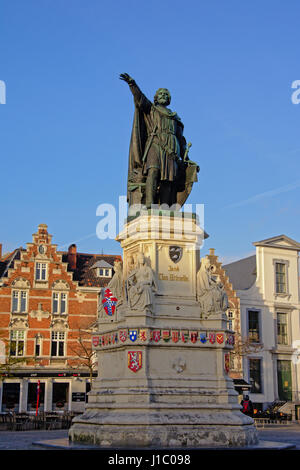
{"points": [[158, 156]]}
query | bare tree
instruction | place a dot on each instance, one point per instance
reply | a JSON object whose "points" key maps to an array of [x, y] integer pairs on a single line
{"points": [[81, 348], [244, 346]]}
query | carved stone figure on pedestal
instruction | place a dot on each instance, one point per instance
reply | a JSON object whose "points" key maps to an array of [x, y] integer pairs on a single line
{"points": [[159, 169], [141, 285], [116, 283], [211, 294]]}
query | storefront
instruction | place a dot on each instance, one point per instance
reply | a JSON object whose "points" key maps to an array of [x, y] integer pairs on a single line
{"points": [[58, 392]]}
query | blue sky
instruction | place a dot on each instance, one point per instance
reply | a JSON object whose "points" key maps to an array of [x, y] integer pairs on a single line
{"points": [[65, 127]]}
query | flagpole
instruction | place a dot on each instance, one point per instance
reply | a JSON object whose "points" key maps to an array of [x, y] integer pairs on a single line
{"points": [[38, 398]]}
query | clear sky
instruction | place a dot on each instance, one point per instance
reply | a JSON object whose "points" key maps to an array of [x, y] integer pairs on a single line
{"points": [[66, 124]]}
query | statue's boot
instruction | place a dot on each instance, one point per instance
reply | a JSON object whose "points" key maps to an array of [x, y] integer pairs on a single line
{"points": [[167, 193]]}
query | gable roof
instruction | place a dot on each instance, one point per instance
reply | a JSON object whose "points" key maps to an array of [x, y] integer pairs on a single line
{"points": [[242, 273], [102, 264], [280, 241], [85, 274]]}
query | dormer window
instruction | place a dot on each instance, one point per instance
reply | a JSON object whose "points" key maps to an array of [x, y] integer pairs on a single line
{"points": [[103, 269]]}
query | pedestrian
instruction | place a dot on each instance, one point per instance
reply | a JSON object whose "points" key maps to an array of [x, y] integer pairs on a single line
{"points": [[247, 406]]}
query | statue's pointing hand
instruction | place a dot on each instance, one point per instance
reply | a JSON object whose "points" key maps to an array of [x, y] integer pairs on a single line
{"points": [[127, 78]]}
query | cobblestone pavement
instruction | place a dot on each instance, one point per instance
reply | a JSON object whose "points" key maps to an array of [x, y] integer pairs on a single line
{"points": [[283, 433], [22, 440]]}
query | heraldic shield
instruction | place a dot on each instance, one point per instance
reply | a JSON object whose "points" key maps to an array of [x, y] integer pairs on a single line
{"points": [[109, 302], [175, 253], [134, 360]]}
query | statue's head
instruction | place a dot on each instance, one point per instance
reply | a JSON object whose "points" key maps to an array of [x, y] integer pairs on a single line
{"points": [[140, 258], [117, 265], [162, 96]]}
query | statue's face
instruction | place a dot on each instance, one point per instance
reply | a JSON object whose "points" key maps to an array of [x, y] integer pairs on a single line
{"points": [[141, 258], [162, 97]]}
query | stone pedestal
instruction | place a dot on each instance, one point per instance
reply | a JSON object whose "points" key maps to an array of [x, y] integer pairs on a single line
{"points": [[163, 371]]}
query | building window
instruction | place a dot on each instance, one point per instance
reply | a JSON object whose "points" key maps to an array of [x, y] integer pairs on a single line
{"points": [[59, 302], [58, 344], [38, 345], [19, 301], [253, 326], [104, 272], [282, 334], [17, 342], [255, 375], [280, 276], [60, 396], [230, 320], [41, 271]]}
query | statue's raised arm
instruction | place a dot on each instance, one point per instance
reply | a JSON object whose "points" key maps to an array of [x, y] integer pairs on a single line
{"points": [[140, 100]]}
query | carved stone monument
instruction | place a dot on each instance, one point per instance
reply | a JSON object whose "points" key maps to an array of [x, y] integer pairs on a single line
{"points": [[163, 341]]}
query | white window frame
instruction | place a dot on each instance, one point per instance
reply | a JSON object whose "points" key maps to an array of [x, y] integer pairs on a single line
{"points": [[41, 267], [18, 295], [17, 336], [58, 337], [105, 272], [286, 323], [38, 342], [258, 311], [60, 298], [286, 277]]}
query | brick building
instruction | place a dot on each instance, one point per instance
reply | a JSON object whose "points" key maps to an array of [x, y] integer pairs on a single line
{"points": [[48, 309], [234, 322]]}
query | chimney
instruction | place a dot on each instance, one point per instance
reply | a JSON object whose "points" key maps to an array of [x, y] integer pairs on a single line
{"points": [[72, 256], [0, 250]]}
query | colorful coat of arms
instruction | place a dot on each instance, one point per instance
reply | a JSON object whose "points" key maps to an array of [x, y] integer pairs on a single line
{"points": [[109, 302], [156, 335], [123, 335], [166, 335], [212, 338], [114, 338], [143, 335], [133, 334], [95, 340], [175, 336], [230, 340], [184, 336], [134, 360], [194, 336], [203, 337], [220, 338], [106, 339]]}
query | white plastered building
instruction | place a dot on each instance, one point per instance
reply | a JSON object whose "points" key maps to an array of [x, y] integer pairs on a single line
{"points": [[267, 284]]}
